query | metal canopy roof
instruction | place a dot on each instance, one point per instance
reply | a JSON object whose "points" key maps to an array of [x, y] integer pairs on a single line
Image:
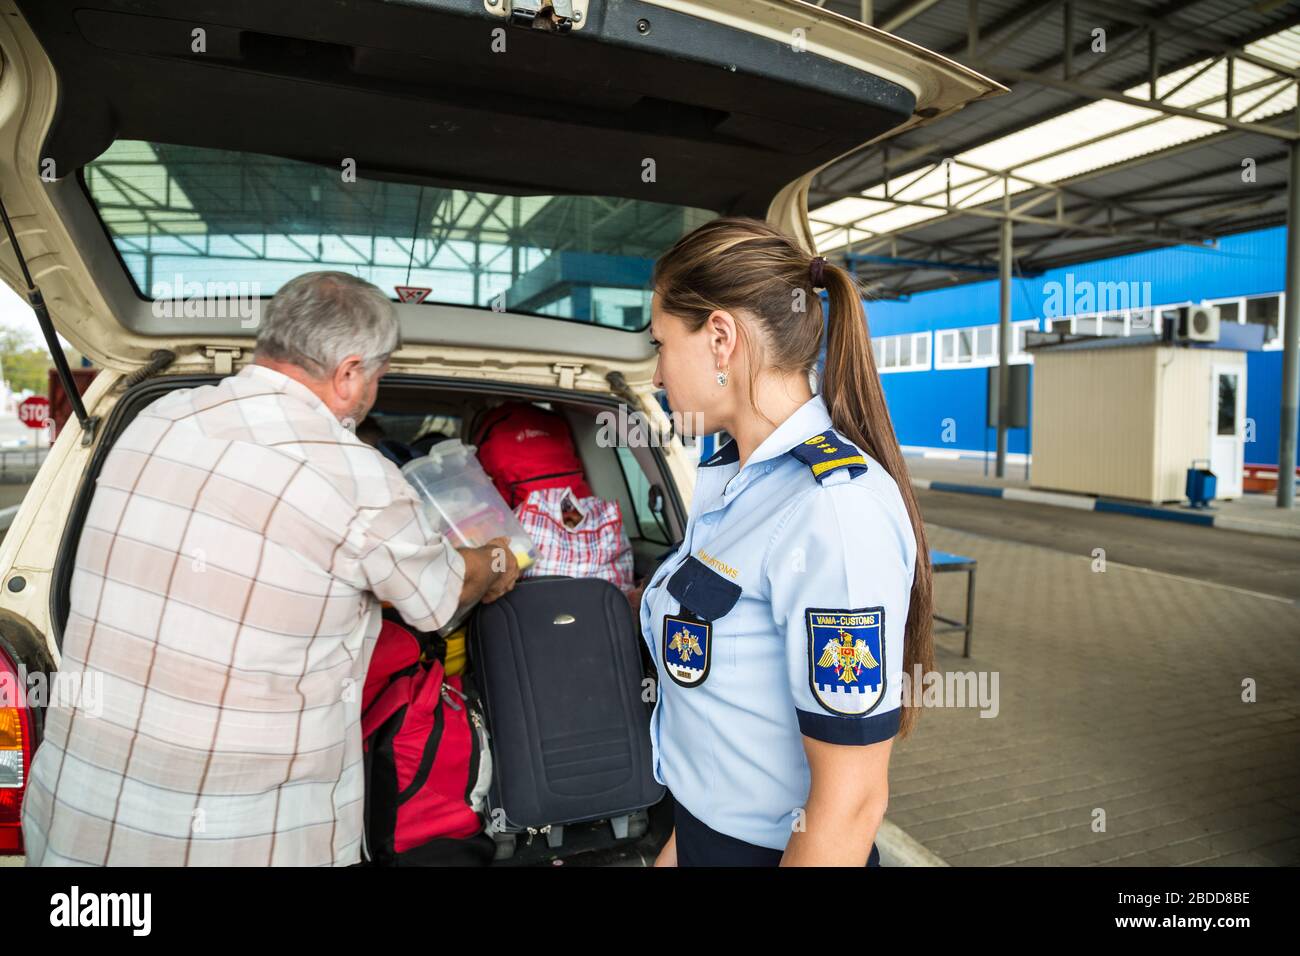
{"points": [[1080, 156]]}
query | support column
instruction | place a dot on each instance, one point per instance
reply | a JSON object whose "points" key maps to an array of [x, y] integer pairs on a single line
{"points": [[1286, 446], [1004, 342]]}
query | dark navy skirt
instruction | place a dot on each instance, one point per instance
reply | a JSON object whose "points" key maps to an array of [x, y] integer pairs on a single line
{"points": [[698, 844]]}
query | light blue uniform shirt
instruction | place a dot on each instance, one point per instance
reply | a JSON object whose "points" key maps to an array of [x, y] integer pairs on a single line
{"points": [[781, 614]]}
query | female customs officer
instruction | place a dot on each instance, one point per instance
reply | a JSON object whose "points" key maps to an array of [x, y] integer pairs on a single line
{"points": [[784, 621]]}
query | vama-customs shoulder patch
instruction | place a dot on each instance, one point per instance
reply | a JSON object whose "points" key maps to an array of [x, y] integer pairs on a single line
{"points": [[846, 658]]}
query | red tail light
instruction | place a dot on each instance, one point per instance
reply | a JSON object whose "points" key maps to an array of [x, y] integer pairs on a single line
{"points": [[16, 746]]}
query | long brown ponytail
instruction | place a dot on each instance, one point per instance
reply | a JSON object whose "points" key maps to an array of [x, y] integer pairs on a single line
{"points": [[745, 266], [856, 401]]}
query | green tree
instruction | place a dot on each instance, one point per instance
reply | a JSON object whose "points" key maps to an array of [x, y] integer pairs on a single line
{"points": [[24, 362]]}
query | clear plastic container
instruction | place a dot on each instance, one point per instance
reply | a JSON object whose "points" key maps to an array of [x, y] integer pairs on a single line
{"points": [[461, 501]]}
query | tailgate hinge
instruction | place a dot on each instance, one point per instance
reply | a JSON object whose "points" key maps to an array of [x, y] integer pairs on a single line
{"points": [[567, 373], [223, 357], [553, 16], [618, 385]]}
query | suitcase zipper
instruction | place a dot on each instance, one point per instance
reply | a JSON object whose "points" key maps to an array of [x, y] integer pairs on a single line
{"points": [[472, 782], [482, 752]]}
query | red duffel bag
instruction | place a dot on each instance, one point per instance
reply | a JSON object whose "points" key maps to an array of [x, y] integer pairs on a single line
{"points": [[524, 448], [428, 764]]}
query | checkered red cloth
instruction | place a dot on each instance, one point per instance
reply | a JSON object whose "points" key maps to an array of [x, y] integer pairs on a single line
{"points": [[597, 547]]}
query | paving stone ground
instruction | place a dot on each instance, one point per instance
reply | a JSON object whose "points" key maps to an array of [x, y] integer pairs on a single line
{"points": [[1119, 691]]}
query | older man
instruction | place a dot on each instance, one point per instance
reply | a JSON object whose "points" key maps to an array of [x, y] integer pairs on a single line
{"points": [[227, 586]]}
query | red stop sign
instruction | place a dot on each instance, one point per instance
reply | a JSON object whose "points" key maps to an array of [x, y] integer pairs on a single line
{"points": [[34, 412]]}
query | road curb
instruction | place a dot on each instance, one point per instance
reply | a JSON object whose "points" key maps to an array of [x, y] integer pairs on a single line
{"points": [[1084, 503], [898, 849]]}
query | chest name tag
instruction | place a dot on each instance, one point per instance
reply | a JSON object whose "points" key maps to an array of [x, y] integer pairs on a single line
{"points": [[686, 649], [846, 658]]}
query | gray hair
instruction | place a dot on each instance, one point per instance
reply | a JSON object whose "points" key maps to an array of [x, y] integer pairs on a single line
{"points": [[318, 319]]}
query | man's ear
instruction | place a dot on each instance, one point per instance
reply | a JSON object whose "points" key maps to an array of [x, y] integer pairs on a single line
{"points": [[349, 376]]}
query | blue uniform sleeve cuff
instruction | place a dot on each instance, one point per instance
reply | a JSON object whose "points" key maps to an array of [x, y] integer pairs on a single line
{"points": [[849, 730]]}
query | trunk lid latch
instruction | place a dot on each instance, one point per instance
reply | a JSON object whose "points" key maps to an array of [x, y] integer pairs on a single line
{"points": [[223, 358], [553, 16], [567, 373]]}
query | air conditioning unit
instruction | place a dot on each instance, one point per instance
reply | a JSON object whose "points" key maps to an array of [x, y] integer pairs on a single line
{"points": [[1200, 323]]}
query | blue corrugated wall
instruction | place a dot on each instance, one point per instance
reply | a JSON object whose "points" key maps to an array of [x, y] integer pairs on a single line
{"points": [[921, 403], [945, 409]]}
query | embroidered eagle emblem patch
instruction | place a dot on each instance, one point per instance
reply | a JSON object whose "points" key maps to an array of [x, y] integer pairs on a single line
{"points": [[846, 658], [686, 649]]}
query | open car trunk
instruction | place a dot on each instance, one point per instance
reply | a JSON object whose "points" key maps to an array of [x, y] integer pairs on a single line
{"points": [[244, 142], [515, 168], [408, 406]]}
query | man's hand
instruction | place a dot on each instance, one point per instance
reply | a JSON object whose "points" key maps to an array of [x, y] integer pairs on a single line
{"points": [[634, 599], [501, 559], [490, 571]]}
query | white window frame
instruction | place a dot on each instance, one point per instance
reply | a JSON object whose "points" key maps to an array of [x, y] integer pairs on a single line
{"points": [[1129, 329], [1015, 356], [1276, 344], [889, 350], [1085, 323], [1241, 300], [1090, 321], [1238, 300], [1018, 355]]}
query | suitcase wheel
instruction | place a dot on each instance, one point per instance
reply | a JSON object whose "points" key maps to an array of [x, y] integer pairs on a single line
{"points": [[505, 844], [638, 824], [631, 826]]}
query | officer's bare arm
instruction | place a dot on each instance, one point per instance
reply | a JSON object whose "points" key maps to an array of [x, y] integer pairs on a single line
{"points": [[846, 802]]}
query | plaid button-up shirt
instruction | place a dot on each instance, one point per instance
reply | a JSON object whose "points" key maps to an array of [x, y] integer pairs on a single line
{"points": [[225, 588]]}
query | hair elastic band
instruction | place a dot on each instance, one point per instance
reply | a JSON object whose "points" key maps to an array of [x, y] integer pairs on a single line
{"points": [[816, 272]]}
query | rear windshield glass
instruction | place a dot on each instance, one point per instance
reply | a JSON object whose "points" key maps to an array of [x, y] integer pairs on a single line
{"points": [[181, 216]]}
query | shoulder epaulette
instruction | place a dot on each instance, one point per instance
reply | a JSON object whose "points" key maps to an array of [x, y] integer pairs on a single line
{"points": [[826, 452]]}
